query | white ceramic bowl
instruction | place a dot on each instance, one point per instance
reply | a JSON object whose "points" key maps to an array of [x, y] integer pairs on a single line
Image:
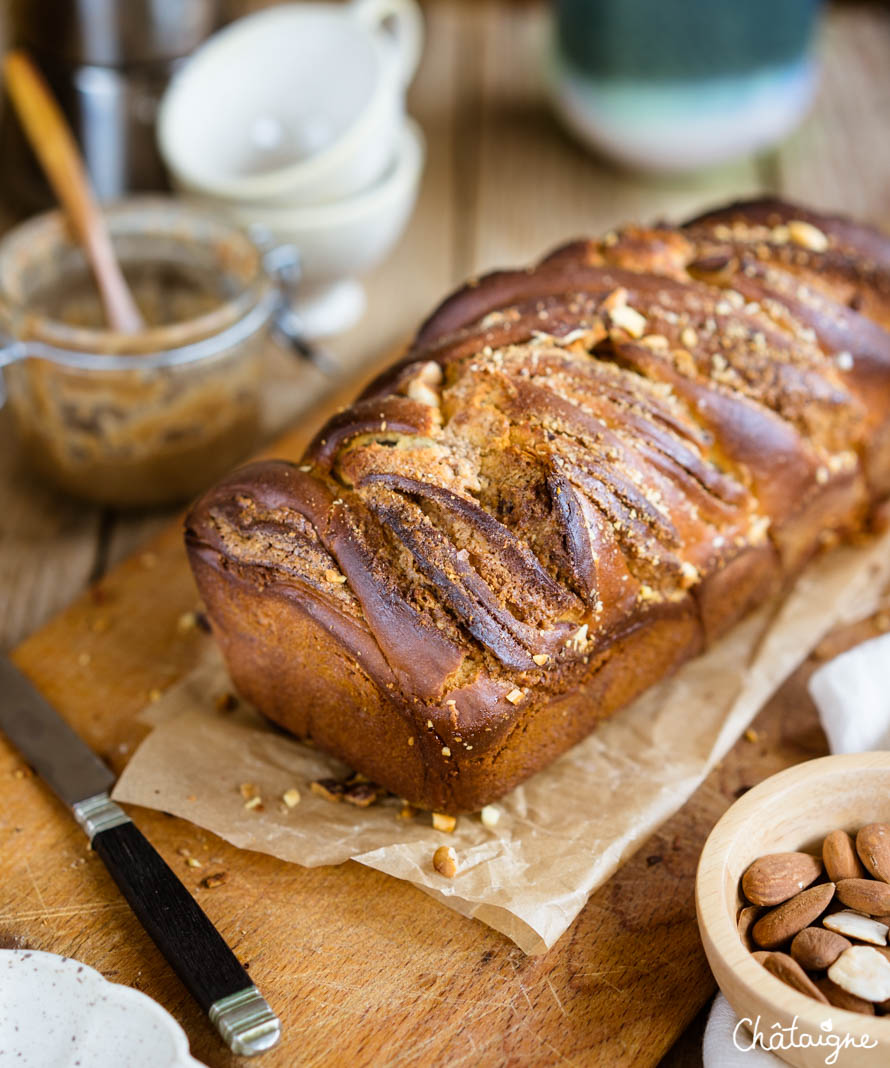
{"points": [[299, 103], [56, 1011], [339, 242]]}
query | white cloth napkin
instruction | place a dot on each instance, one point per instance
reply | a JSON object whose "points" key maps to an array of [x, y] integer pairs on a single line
{"points": [[852, 695], [725, 1044]]}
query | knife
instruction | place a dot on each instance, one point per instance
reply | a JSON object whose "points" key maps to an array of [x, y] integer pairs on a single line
{"points": [[168, 912]]}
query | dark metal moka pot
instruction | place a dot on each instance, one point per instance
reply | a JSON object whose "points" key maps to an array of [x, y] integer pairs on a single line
{"points": [[108, 63]]}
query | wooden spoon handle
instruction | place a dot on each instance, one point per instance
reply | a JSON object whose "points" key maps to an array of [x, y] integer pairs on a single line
{"points": [[59, 156]]}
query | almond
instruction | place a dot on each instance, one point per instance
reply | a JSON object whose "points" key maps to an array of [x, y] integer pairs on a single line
{"points": [[841, 999], [775, 878], [855, 925], [747, 918], [873, 847], [782, 923], [790, 972], [839, 857], [816, 949], [865, 895], [862, 971]]}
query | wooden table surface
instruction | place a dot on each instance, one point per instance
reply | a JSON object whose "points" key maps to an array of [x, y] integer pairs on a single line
{"points": [[502, 184]]}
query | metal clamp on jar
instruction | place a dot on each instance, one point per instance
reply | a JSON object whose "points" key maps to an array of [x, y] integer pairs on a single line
{"points": [[152, 418]]}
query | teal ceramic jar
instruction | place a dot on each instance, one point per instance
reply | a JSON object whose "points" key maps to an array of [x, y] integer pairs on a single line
{"points": [[680, 84]]}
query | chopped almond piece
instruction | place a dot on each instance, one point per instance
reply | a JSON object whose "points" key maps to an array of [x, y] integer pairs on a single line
{"points": [[490, 816], [807, 236], [628, 319], [329, 789]]}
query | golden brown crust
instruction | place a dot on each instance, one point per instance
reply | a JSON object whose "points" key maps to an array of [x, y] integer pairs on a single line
{"points": [[578, 476]]}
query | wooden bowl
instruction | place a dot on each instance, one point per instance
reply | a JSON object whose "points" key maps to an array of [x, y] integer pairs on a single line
{"points": [[793, 810]]}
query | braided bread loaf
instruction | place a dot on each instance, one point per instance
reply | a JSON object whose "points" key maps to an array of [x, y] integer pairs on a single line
{"points": [[579, 476]]}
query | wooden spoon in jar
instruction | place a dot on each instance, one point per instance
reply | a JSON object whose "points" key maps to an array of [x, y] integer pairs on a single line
{"points": [[55, 147]]}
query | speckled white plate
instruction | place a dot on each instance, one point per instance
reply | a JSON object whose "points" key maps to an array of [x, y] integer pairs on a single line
{"points": [[57, 1013]]}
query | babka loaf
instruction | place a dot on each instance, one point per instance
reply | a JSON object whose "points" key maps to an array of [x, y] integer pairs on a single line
{"points": [[579, 476]]}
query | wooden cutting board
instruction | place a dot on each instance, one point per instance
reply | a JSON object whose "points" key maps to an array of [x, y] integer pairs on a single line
{"points": [[363, 969]]}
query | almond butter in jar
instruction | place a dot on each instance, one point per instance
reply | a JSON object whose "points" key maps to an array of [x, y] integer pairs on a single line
{"points": [[152, 418]]}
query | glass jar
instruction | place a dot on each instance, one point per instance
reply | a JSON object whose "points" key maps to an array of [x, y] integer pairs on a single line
{"points": [[151, 418]]}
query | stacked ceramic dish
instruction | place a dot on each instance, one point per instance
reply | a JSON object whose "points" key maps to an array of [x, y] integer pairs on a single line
{"points": [[292, 122]]}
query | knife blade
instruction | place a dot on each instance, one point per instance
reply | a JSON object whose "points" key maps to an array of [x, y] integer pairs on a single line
{"points": [[69, 767], [165, 908]]}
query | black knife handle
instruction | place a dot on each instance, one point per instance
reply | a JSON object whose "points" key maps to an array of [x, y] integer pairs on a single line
{"points": [[183, 933]]}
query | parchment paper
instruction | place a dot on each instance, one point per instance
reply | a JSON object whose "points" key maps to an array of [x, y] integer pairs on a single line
{"points": [[561, 834]]}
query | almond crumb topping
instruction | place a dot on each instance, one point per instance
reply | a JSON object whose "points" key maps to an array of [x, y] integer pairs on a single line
{"points": [[758, 530], [578, 641], [616, 299], [689, 574], [628, 319], [807, 236]]}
